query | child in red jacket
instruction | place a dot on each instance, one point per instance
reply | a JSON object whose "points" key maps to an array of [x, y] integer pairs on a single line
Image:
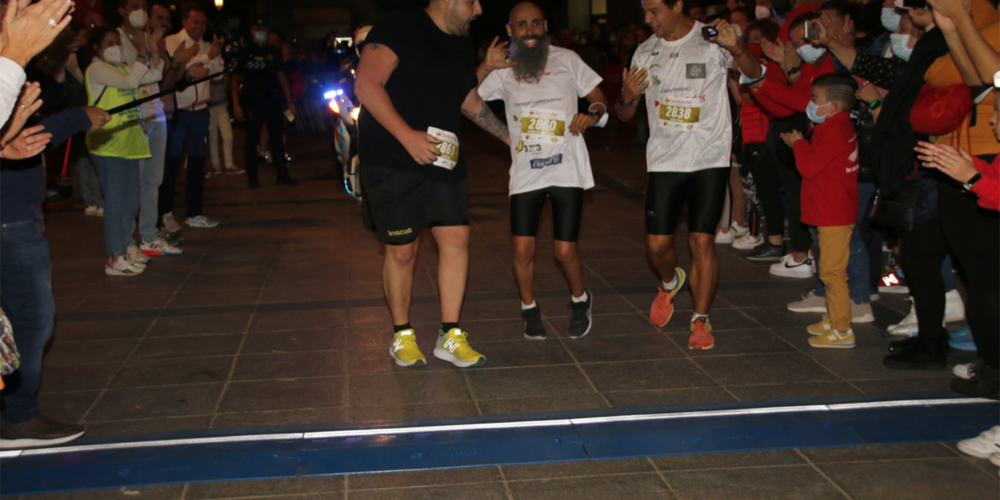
{"points": [[976, 175], [829, 168]]}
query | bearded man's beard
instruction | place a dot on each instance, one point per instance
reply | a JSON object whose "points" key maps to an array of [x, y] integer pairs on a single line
{"points": [[530, 60]]}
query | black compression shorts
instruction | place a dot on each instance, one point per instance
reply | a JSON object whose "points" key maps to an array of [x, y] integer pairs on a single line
{"points": [[403, 202], [704, 191], [567, 208]]}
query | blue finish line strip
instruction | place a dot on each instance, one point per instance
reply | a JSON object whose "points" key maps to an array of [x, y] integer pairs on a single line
{"points": [[615, 433]]}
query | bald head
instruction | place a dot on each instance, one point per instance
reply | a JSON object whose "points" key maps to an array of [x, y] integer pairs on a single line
{"points": [[528, 9]]}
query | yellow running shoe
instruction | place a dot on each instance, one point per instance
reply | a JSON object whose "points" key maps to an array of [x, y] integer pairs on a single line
{"points": [[836, 338], [405, 351], [822, 328], [454, 347]]}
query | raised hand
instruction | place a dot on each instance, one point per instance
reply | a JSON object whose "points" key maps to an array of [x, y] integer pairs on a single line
{"points": [[726, 38], [957, 164], [633, 83], [217, 45], [28, 30], [28, 143], [183, 54], [496, 56], [26, 106], [773, 51], [792, 137]]}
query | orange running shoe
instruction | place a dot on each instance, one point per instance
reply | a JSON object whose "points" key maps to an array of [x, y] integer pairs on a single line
{"points": [[701, 336], [663, 306]]}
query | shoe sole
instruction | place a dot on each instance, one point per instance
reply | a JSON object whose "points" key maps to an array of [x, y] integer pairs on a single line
{"points": [[867, 318], [972, 452], [696, 348], [154, 253], [800, 276], [962, 374], [115, 272], [10, 444], [535, 337], [963, 347], [445, 355], [590, 320], [765, 259], [814, 309], [743, 247], [404, 364], [894, 289], [833, 346]]}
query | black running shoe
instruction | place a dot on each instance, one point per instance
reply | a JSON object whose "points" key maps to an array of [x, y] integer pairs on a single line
{"points": [[40, 431], [580, 324], [533, 327], [766, 253]]}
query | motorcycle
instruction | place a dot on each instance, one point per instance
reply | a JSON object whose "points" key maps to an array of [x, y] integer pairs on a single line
{"points": [[345, 137]]}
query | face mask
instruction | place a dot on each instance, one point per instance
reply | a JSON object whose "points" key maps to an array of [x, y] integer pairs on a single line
{"points": [[113, 55], [890, 19], [756, 49], [812, 111], [739, 31], [810, 54], [901, 46], [137, 18], [260, 36], [761, 12]]}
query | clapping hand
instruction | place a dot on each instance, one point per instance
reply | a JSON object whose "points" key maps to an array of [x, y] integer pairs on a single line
{"points": [[27, 144], [26, 106], [957, 164], [792, 137], [633, 83]]}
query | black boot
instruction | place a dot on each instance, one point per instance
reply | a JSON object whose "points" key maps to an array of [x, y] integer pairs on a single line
{"points": [[917, 358], [984, 383], [898, 346], [284, 178]]}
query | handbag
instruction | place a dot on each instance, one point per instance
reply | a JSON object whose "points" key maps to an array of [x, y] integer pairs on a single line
{"points": [[10, 359], [899, 212]]}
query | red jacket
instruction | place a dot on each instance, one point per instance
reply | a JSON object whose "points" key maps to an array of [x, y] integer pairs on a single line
{"points": [[829, 168], [753, 122], [797, 95], [988, 187], [783, 34]]}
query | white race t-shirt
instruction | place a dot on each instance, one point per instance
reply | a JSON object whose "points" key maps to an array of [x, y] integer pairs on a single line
{"points": [[687, 101], [544, 152]]}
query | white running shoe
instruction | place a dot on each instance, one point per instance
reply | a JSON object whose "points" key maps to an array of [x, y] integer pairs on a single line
{"points": [[954, 308], [810, 303], [788, 268], [160, 247], [135, 256], [908, 326], [725, 238], [122, 267], [170, 223], [740, 230], [201, 222], [983, 445], [748, 241]]}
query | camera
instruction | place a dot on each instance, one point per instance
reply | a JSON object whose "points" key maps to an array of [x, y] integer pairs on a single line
{"points": [[709, 31]]}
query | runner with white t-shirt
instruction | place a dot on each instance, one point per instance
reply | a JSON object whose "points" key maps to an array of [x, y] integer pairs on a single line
{"points": [[550, 159], [683, 73]]}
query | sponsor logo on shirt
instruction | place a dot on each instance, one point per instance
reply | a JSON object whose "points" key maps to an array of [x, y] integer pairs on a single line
{"points": [[675, 55], [696, 70], [401, 232], [547, 162]]}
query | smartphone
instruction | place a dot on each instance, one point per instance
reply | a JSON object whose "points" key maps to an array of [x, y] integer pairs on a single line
{"points": [[915, 4], [709, 31], [289, 115], [812, 30]]}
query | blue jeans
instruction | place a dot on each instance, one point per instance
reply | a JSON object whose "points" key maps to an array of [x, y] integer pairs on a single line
{"points": [[120, 182], [85, 177], [150, 177], [858, 274], [26, 281]]}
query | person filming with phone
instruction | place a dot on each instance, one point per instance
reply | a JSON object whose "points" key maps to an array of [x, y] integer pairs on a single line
{"points": [[264, 98]]}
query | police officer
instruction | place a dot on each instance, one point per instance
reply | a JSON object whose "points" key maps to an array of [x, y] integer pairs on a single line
{"points": [[264, 96]]}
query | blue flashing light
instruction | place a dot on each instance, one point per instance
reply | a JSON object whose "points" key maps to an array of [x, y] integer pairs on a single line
{"points": [[332, 94]]}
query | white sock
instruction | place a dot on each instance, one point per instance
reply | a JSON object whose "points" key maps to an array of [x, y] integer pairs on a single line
{"points": [[582, 298], [670, 286], [695, 316], [525, 307]]}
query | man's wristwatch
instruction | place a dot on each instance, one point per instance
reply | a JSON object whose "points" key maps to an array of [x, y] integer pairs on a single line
{"points": [[621, 100], [972, 182]]}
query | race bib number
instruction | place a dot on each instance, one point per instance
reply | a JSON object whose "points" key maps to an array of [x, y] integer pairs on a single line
{"points": [[542, 126], [678, 114], [448, 148]]}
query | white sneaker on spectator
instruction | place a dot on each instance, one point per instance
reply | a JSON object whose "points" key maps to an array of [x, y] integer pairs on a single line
{"points": [[170, 223], [740, 230], [94, 210], [725, 238], [954, 308], [983, 445], [907, 327], [810, 303], [875, 297], [201, 222], [965, 370], [160, 247], [136, 257], [748, 242], [122, 267], [995, 459], [788, 268], [861, 313]]}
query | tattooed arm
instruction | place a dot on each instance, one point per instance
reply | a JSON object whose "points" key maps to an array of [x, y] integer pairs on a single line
{"points": [[475, 109]]}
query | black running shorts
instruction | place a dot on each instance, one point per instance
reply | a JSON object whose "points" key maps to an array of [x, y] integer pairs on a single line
{"points": [[403, 202], [567, 207], [704, 191]]}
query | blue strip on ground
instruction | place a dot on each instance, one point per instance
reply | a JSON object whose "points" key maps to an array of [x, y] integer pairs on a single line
{"points": [[306, 457]]}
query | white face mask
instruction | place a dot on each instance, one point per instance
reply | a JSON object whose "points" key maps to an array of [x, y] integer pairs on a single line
{"points": [[812, 111], [810, 54], [901, 46], [138, 18], [113, 54], [260, 36], [761, 12], [890, 19]]}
